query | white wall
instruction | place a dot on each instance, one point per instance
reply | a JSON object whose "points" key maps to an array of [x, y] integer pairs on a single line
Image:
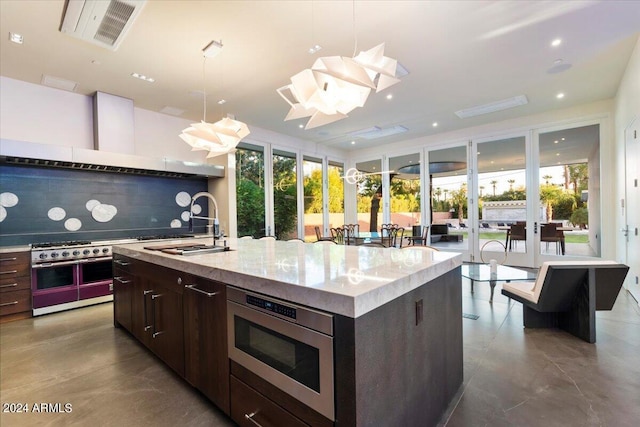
{"points": [[627, 108], [45, 115]]}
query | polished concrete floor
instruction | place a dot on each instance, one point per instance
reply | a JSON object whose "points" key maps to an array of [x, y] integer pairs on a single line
{"points": [[512, 376]]}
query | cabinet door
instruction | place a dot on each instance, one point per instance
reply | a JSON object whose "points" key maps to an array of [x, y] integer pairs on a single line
{"points": [[122, 297], [167, 330], [207, 364]]}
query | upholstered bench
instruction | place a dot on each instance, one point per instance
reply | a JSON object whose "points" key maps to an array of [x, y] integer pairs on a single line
{"points": [[566, 295]]}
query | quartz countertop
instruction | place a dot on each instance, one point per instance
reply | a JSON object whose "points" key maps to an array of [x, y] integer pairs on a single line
{"points": [[346, 280]]}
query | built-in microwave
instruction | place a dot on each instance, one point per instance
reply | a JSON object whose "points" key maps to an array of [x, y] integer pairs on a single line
{"points": [[288, 345]]}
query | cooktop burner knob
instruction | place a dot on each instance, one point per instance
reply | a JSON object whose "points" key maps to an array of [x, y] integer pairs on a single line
{"points": [[86, 252], [43, 255], [96, 251], [54, 254], [65, 254], [76, 252], [105, 250]]}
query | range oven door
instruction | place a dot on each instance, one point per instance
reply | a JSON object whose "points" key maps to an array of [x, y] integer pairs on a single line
{"points": [[293, 358], [96, 277], [54, 283]]}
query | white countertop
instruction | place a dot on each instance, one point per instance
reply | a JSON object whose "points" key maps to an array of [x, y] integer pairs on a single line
{"points": [[347, 280]]}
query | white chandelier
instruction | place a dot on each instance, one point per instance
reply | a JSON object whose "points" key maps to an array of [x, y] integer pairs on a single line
{"points": [[220, 137], [335, 85]]}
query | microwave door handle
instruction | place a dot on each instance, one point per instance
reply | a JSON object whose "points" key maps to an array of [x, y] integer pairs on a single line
{"points": [[250, 418]]}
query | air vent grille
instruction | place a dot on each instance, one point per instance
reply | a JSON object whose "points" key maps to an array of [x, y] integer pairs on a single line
{"points": [[23, 161], [114, 21]]}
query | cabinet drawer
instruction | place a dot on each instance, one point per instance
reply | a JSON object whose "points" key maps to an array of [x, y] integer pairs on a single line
{"points": [[250, 408], [14, 264], [123, 264], [11, 258], [10, 284], [15, 302]]}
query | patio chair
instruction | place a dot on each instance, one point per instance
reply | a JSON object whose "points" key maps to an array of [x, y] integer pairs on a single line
{"points": [[566, 295], [549, 233], [516, 233], [421, 239]]}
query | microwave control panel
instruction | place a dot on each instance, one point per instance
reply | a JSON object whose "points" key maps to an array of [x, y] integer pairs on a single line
{"points": [[272, 306]]}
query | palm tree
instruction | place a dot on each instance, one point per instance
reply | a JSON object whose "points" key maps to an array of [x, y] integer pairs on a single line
{"points": [[438, 193], [481, 188], [459, 199], [579, 176], [493, 183], [511, 182], [546, 179]]}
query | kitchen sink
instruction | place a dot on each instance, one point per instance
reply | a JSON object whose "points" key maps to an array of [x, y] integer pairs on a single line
{"points": [[188, 248]]}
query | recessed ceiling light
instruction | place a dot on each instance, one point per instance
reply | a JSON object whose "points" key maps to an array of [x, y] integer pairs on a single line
{"points": [[390, 96], [557, 154], [556, 42], [143, 77], [301, 126], [560, 95], [222, 101], [562, 139], [353, 143], [16, 38], [434, 124], [555, 142], [313, 49]]}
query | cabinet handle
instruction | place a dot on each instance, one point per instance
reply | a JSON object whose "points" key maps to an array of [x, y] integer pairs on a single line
{"points": [[9, 272], [120, 262], [8, 259], [208, 294], [119, 279], [250, 418], [155, 333], [10, 285], [8, 303], [144, 309]]}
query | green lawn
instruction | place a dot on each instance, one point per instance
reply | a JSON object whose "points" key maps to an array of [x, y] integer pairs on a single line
{"points": [[501, 236]]}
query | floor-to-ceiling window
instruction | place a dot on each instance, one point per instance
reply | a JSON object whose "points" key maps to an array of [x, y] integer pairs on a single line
{"points": [[313, 207], [569, 192], [285, 208], [449, 215], [404, 192], [335, 190], [368, 180], [250, 191]]}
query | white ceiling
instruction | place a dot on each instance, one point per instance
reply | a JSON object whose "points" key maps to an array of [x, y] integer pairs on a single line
{"points": [[459, 55]]}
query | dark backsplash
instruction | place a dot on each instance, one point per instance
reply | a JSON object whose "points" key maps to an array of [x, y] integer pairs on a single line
{"points": [[146, 205]]}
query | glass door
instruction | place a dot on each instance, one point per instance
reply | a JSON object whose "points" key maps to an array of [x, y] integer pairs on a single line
{"points": [[449, 217], [368, 180], [404, 193], [569, 193], [285, 195], [506, 223], [313, 198]]}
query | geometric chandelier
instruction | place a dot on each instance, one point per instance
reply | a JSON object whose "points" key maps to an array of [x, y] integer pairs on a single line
{"points": [[335, 85], [220, 137]]}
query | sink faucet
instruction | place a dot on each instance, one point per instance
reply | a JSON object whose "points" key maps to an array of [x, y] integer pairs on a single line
{"points": [[214, 219]]}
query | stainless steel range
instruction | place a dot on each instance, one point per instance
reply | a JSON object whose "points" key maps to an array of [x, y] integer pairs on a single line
{"points": [[73, 274]]}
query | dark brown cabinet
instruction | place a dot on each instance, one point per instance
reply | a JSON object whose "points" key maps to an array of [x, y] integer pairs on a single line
{"points": [[123, 284], [157, 314], [179, 317], [205, 338], [15, 285]]}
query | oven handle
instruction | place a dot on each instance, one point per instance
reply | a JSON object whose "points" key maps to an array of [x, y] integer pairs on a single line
{"points": [[107, 258], [55, 264]]}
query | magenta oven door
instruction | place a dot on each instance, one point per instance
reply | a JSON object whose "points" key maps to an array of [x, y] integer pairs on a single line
{"points": [[54, 283], [96, 278]]}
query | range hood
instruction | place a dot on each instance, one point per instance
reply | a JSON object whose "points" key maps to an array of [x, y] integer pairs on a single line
{"points": [[45, 155]]}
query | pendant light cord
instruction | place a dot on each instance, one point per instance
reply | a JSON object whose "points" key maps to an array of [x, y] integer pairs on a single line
{"points": [[355, 34], [204, 90]]}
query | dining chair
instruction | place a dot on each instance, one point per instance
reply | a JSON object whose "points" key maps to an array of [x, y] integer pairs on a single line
{"points": [[319, 236], [549, 233], [420, 239], [351, 231], [337, 235], [515, 233]]}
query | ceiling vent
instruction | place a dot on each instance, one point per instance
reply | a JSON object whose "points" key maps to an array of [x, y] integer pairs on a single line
{"points": [[492, 107], [104, 23]]}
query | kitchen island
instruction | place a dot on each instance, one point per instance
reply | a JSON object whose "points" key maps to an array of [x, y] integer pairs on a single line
{"points": [[396, 324]]}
